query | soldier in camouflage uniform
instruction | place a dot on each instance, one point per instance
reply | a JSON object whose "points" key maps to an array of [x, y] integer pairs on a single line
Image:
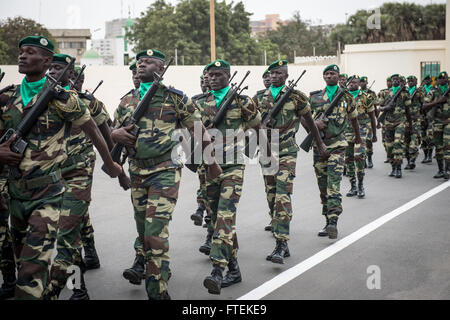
{"points": [[371, 100], [412, 140], [155, 176], [381, 126], [224, 192], [439, 104], [36, 197], [329, 170], [355, 155], [279, 185], [396, 120], [426, 125]]}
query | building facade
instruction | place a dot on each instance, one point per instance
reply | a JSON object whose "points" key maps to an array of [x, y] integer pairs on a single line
{"points": [[71, 41]]}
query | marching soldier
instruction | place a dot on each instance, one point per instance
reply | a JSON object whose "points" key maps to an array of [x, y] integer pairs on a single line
{"points": [[329, 170], [279, 186], [426, 126], [381, 126], [36, 197], [371, 100]]}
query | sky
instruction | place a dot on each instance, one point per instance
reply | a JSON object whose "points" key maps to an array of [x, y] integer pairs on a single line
{"points": [[92, 14]]}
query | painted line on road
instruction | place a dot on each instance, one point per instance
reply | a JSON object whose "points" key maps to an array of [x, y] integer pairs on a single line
{"points": [[292, 273]]}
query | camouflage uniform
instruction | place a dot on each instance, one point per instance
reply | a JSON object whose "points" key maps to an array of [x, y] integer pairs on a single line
{"points": [[77, 172], [413, 140], [36, 198], [371, 102], [155, 178], [224, 192], [7, 263], [395, 126], [329, 171], [381, 95], [426, 130], [355, 155], [279, 187]]}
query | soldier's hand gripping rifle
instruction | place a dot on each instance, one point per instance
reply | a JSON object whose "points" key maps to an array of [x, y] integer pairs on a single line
{"points": [[308, 141], [23, 129], [433, 110], [138, 113], [386, 108]]}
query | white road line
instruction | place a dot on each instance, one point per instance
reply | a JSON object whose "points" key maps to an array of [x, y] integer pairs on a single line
{"points": [[292, 273]]}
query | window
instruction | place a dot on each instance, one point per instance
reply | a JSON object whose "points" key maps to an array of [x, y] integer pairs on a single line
{"points": [[431, 68]]}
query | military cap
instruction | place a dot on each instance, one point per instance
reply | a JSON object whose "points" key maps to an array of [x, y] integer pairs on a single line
{"points": [[202, 76], [278, 64], [133, 66], [221, 64], [354, 77], [403, 78], [442, 75], [344, 75], [411, 77], [77, 69], [265, 73], [37, 41], [396, 75], [61, 58], [332, 67], [364, 78], [151, 54], [427, 77], [389, 79]]}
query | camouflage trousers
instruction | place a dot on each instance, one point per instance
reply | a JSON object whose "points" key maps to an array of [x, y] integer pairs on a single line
{"points": [[7, 263], [329, 176], [224, 194], [395, 141], [438, 140], [74, 212], [34, 228], [369, 143], [87, 232], [412, 140], [356, 154], [383, 137], [201, 191], [426, 135], [279, 189], [154, 199]]}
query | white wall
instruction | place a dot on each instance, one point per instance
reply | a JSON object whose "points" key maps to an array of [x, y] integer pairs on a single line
{"points": [[447, 35]]}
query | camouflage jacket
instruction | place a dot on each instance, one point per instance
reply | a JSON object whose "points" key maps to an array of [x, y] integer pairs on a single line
{"points": [[46, 142], [397, 114], [442, 111], [241, 114], [338, 120], [168, 109], [416, 103], [364, 108], [371, 97], [259, 96], [288, 119]]}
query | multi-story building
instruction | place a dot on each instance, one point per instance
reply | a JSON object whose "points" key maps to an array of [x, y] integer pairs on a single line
{"points": [[271, 22], [71, 41]]}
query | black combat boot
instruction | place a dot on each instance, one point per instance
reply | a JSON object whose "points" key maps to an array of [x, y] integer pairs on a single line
{"points": [[369, 161], [268, 228], [332, 228], [136, 273], [81, 293], [361, 191], [344, 173], [206, 247], [398, 172], [353, 191], [91, 260], [214, 282], [413, 163], [447, 171], [197, 216], [429, 156], [425, 156], [280, 252], [440, 173], [408, 165], [324, 232], [8, 286], [233, 275], [394, 170]]}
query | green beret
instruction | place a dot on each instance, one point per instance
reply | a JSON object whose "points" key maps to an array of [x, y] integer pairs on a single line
{"points": [[355, 77], [395, 76], [427, 77], [266, 73], [37, 41], [61, 58], [364, 78], [221, 64], [412, 77], [332, 67], [77, 69], [202, 77], [344, 75], [389, 79], [133, 66], [278, 64], [151, 54], [442, 75], [403, 78]]}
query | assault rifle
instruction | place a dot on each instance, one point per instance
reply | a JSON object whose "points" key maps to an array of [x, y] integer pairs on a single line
{"points": [[2, 75], [307, 143], [72, 83], [390, 105]]}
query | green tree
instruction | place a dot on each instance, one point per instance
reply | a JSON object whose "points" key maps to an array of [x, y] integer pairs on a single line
{"points": [[14, 30]]}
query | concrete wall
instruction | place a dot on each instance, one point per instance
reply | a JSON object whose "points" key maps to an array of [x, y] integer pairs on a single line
{"points": [[447, 36]]}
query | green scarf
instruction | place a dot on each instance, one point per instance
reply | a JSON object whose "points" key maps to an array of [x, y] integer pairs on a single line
{"points": [[354, 93], [28, 90], [395, 89], [144, 88], [444, 88], [331, 91], [219, 95], [275, 91], [427, 87], [411, 90]]}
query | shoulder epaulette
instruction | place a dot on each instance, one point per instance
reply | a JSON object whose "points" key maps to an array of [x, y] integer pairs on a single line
{"points": [[260, 91], [129, 92], [199, 96], [177, 92], [315, 92]]}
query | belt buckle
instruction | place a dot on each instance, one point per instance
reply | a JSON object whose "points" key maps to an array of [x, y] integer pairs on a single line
{"points": [[54, 177]]}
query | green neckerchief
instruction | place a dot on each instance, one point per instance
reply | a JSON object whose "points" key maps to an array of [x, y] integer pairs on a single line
{"points": [[331, 91], [275, 91], [427, 87], [29, 89], [444, 88], [354, 93], [66, 88], [144, 88], [395, 89], [411, 90], [219, 95]]}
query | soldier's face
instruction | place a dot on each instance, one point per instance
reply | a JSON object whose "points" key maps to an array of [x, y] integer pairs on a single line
{"points": [[353, 85], [147, 68], [412, 83], [396, 81], [135, 78], [427, 82], [331, 78], [266, 81], [33, 60], [278, 77], [218, 78], [206, 80], [363, 84], [56, 70], [342, 81], [389, 83]]}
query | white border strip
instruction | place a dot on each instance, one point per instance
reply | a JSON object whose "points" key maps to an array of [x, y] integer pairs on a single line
{"points": [[292, 273]]}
